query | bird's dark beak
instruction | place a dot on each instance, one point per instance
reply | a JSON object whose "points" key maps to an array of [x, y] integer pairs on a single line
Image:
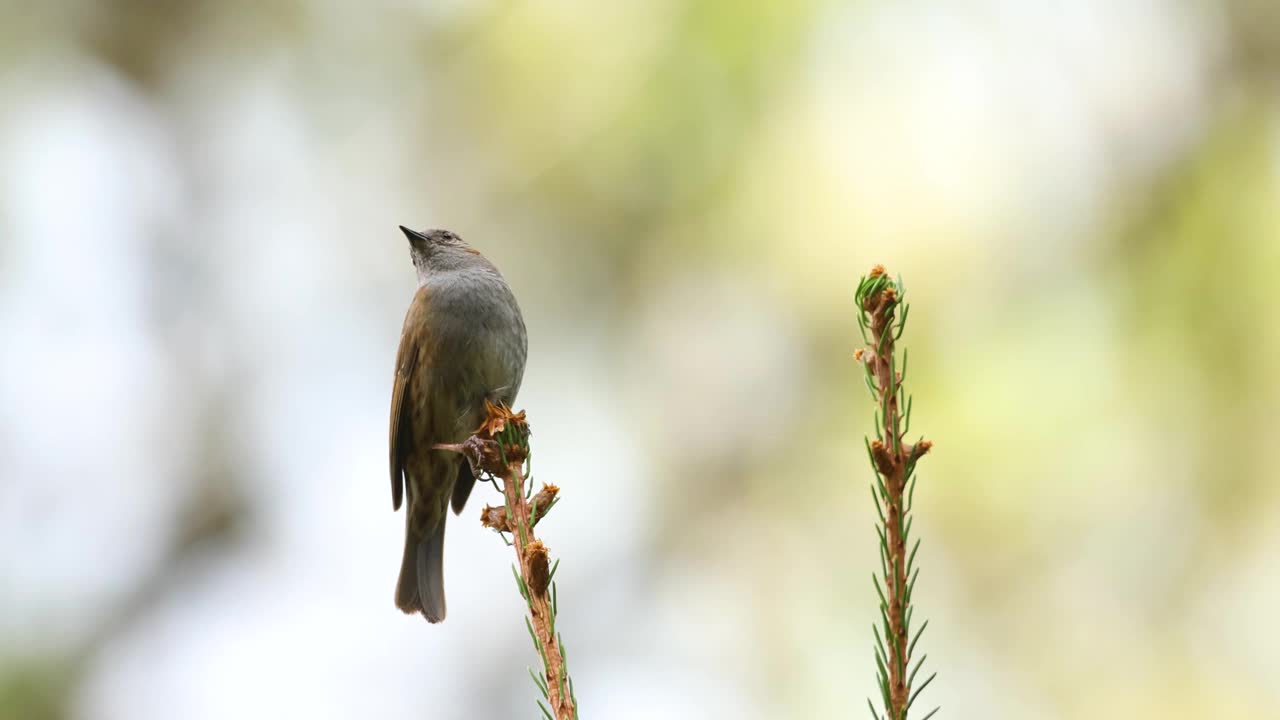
{"points": [[414, 236]]}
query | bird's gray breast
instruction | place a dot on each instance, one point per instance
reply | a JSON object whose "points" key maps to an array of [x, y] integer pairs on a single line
{"points": [[482, 341]]}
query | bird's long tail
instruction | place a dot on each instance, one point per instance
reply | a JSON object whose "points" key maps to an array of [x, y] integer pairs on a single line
{"points": [[421, 585]]}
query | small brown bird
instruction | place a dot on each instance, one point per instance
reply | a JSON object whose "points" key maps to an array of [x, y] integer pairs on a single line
{"points": [[463, 342]]}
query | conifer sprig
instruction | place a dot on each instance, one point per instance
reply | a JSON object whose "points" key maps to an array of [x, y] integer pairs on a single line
{"points": [[893, 460], [499, 451]]}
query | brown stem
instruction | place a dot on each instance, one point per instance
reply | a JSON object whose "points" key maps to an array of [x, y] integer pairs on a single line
{"points": [[533, 557], [491, 450], [891, 459]]}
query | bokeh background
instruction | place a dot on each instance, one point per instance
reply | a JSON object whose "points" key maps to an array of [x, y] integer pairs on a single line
{"points": [[202, 286]]}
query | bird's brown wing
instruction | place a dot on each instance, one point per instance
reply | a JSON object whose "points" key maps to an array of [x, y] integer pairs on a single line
{"points": [[411, 341]]}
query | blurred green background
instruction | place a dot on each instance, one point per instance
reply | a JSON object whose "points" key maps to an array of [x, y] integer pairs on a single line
{"points": [[202, 285]]}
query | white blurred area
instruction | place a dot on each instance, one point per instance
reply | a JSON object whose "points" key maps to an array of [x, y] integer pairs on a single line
{"points": [[202, 285]]}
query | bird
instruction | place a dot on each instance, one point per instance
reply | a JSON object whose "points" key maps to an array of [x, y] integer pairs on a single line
{"points": [[463, 343]]}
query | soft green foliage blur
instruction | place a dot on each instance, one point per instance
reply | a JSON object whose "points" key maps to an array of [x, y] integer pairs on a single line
{"points": [[1084, 204]]}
